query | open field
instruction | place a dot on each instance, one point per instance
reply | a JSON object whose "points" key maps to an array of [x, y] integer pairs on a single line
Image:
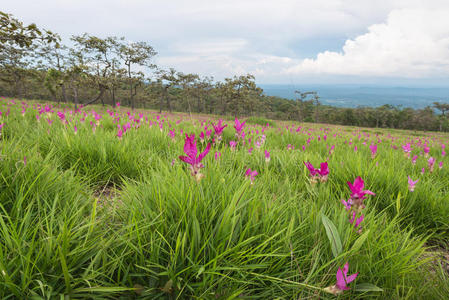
{"points": [[97, 204]]}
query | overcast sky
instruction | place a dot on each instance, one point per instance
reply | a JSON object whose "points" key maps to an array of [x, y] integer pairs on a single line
{"points": [[282, 41]]}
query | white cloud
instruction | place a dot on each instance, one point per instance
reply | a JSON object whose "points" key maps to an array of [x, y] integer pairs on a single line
{"points": [[275, 40], [411, 43]]}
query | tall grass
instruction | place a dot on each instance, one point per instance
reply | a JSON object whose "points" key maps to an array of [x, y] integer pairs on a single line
{"points": [[87, 215]]}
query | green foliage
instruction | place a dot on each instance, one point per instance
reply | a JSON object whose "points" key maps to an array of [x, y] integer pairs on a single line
{"points": [[90, 216]]}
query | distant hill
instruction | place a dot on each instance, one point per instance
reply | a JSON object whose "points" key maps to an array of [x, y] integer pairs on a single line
{"points": [[358, 95]]}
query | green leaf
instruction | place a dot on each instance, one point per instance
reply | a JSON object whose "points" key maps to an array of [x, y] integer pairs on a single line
{"points": [[359, 242], [367, 287], [332, 234]]}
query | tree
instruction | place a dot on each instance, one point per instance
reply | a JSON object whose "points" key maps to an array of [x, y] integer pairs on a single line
{"points": [[135, 53]]}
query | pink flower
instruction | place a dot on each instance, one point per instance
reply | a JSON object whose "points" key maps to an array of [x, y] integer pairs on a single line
{"points": [[440, 165], [411, 184], [357, 221], [267, 156], [232, 144], [217, 155], [373, 149], [191, 151], [117, 104], [171, 134], [251, 174], [342, 281], [239, 126], [320, 173], [219, 128], [119, 134], [414, 158], [431, 163], [358, 194], [407, 148]]}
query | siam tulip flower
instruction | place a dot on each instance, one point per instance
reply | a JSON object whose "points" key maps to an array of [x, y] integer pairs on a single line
{"points": [[219, 129], [171, 134], [75, 129], [423, 170], [431, 163], [443, 153], [119, 134], [346, 204], [373, 149], [355, 148], [232, 144], [358, 194], [323, 172], [414, 158], [320, 173], [411, 184], [440, 165], [239, 127], [342, 281], [426, 150], [202, 137], [407, 149], [290, 147], [217, 155], [191, 151], [251, 174], [250, 150], [357, 221], [267, 156]]}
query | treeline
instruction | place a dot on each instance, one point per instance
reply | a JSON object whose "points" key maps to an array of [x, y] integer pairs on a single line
{"points": [[35, 64]]}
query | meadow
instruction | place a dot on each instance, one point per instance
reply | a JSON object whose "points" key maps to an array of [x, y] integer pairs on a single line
{"points": [[109, 203]]}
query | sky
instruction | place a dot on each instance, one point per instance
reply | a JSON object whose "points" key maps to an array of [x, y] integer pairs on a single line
{"points": [[384, 42]]}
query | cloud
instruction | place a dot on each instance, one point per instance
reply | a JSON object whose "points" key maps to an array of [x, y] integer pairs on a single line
{"points": [[278, 41], [412, 43]]}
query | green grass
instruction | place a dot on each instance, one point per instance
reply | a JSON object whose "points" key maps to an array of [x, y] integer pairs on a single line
{"points": [[90, 216]]}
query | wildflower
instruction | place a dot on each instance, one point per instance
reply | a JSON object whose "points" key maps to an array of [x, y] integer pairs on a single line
{"points": [[414, 158], [232, 144], [423, 170], [239, 127], [250, 150], [75, 129], [342, 281], [358, 194], [267, 156], [346, 204], [373, 149], [440, 165], [195, 162], [411, 184], [119, 134], [431, 163], [320, 173], [426, 150], [217, 155], [219, 129], [357, 221], [251, 174], [171, 134]]}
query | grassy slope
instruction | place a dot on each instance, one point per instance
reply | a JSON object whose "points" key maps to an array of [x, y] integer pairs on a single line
{"points": [[93, 216]]}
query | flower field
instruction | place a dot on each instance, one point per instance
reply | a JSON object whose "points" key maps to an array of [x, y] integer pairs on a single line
{"points": [[107, 203]]}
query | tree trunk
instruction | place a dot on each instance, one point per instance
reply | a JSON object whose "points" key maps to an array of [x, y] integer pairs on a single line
{"points": [[64, 93], [75, 97]]}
